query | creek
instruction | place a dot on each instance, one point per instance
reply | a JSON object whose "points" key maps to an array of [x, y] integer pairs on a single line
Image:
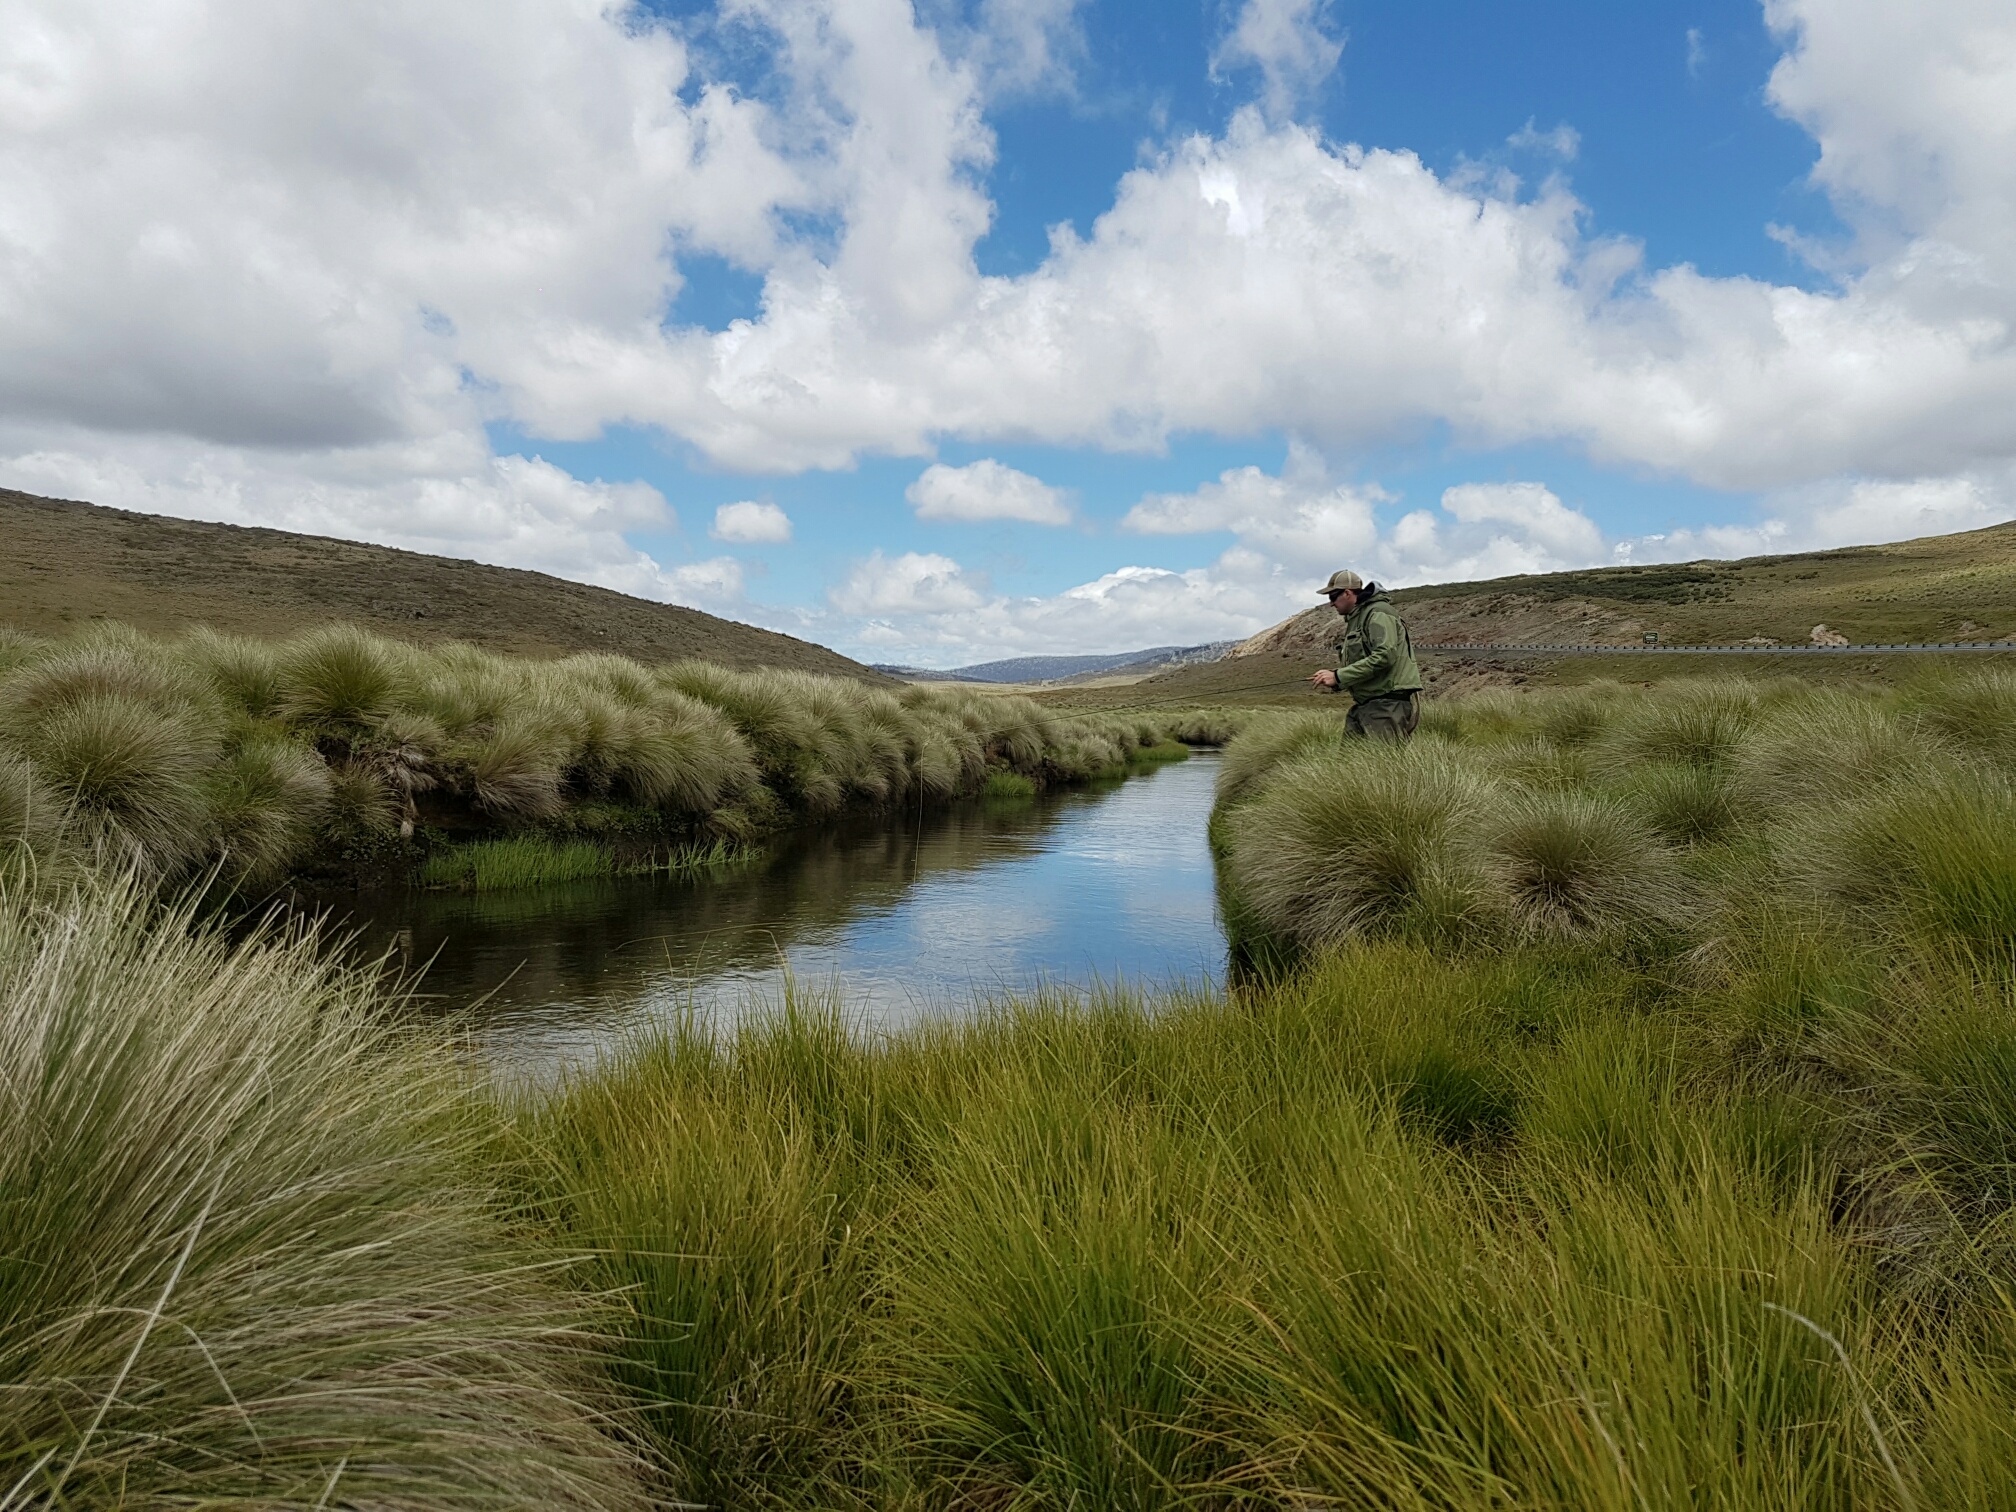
{"points": [[1070, 890]]}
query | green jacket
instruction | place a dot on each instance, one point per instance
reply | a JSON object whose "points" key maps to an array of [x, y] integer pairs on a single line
{"points": [[1375, 659]]}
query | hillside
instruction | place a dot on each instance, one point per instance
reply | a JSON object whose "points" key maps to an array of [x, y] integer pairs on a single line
{"points": [[1936, 588], [67, 564]]}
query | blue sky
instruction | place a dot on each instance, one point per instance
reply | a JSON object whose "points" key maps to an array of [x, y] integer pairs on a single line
{"points": [[1011, 325]]}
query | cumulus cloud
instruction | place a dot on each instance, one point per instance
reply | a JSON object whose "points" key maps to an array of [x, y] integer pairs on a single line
{"points": [[1025, 46], [1288, 41], [916, 582], [1290, 530], [933, 613], [1299, 519], [986, 490], [1296, 516], [1844, 512], [1492, 530], [751, 522]]}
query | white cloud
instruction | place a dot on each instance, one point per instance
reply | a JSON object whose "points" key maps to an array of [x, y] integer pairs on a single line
{"points": [[751, 522], [1845, 512], [1563, 140], [1288, 42], [1297, 516], [1291, 530], [1024, 46], [986, 490], [914, 583], [951, 621], [1492, 530], [715, 582], [1303, 525], [1697, 52]]}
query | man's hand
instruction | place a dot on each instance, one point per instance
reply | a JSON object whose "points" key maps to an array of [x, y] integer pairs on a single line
{"points": [[1324, 678]]}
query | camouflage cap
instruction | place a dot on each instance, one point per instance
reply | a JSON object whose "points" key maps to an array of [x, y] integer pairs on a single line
{"points": [[1340, 580]]}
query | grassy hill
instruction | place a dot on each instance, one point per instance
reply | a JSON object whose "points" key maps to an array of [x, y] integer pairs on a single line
{"points": [[67, 564], [1936, 588]]}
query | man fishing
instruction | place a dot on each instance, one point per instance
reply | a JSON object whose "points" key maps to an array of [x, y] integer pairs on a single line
{"points": [[1375, 661]]}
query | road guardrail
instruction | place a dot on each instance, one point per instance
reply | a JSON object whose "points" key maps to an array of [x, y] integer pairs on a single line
{"points": [[1586, 648]]}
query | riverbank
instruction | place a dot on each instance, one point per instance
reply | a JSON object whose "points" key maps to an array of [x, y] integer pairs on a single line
{"points": [[342, 757]]}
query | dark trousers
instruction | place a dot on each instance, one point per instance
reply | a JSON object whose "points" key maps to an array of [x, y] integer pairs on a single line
{"points": [[1385, 718]]}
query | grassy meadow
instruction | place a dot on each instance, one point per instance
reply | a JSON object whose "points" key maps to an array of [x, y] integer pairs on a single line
{"points": [[1620, 1113], [341, 754]]}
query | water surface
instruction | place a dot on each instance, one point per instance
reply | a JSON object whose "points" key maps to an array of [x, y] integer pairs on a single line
{"points": [[904, 919]]}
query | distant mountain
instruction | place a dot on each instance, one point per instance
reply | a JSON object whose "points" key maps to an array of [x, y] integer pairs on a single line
{"points": [[1029, 669]]}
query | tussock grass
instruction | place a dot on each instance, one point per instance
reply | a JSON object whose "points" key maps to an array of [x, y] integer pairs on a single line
{"points": [[1574, 866], [1378, 840], [249, 1256], [334, 750], [1636, 816]]}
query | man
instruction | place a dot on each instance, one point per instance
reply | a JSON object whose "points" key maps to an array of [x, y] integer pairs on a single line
{"points": [[1375, 661]]}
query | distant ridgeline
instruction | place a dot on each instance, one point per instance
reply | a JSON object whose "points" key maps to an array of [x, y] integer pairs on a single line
{"points": [[1028, 669]]}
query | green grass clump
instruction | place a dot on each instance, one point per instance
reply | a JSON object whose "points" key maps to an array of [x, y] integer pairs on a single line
{"points": [[516, 861], [250, 1256], [1157, 753], [1010, 787]]}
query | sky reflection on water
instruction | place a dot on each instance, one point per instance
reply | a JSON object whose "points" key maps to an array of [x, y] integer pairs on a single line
{"points": [[908, 921]]}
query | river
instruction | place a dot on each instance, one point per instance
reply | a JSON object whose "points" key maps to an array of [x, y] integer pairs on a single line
{"points": [[1071, 889]]}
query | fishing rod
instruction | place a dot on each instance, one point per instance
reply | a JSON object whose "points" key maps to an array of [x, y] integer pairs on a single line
{"points": [[1193, 699]]}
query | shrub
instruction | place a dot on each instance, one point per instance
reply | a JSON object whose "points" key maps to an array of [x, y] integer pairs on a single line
{"points": [[1687, 726], [128, 775], [1977, 714], [1538, 763], [513, 773], [104, 665], [30, 814], [1821, 749], [242, 672]]}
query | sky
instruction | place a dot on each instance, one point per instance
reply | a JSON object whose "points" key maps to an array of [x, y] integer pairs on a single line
{"points": [[940, 331]]}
